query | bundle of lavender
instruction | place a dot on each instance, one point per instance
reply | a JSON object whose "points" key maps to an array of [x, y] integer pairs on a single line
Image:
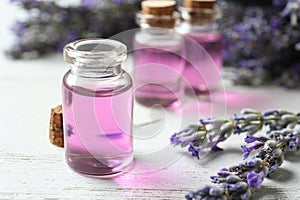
{"points": [[240, 181]]}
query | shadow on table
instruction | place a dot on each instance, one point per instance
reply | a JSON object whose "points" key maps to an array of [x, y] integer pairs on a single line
{"points": [[211, 157], [269, 193], [282, 175], [292, 157]]}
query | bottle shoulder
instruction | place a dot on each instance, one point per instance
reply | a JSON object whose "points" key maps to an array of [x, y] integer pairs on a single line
{"points": [[92, 86], [158, 38], [200, 33]]}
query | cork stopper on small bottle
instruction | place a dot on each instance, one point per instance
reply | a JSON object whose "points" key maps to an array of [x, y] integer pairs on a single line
{"points": [[203, 4], [202, 10], [156, 7], [56, 133], [161, 11]]}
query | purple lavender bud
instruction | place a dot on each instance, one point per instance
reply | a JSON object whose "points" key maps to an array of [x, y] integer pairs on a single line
{"points": [[251, 139], [273, 169], [223, 172], [19, 28], [204, 189], [184, 137], [238, 118], [215, 191], [255, 179], [271, 112], [206, 121], [241, 186], [215, 179], [189, 196], [232, 179], [174, 140], [247, 150], [251, 163], [254, 162], [247, 195], [194, 151]]}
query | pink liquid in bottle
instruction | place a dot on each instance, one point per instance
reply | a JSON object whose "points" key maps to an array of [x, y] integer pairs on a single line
{"points": [[98, 129], [97, 108], [158, 74], [204, 62]]}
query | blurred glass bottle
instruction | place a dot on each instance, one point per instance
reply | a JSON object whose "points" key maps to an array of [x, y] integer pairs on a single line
{"points": [[158, 62], [204, 45]]}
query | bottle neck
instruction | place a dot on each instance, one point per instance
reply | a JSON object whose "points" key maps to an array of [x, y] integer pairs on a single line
{"points": [[95, 58], [96, 71], [199, 16]]}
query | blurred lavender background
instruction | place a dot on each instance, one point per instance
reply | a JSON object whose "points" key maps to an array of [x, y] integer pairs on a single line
{"points": [[262, 40], [262, 37], [52, 24]]}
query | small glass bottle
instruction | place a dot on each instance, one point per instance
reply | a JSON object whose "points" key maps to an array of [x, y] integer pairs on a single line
{"points": [[158, 62], [97, 108], [204, 45]]}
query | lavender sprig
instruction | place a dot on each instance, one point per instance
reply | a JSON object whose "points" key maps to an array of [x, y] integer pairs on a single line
{"points": [[240, 181], [210, 132]]}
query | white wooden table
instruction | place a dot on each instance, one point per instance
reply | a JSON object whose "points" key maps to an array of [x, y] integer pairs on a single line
{"points": [[32, 168]]}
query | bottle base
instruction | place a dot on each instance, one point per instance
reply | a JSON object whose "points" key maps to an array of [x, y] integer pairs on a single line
{"points": [[148, 101], [92, 167], [199, 91]]}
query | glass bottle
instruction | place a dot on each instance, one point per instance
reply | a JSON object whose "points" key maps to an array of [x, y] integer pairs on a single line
{"points": [[158, 62], [97, 108], [204, 45]]}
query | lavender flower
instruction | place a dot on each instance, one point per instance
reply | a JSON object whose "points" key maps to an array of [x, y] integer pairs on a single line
{"points": [[210, 132], [255, 179], [251, 138], [205, 136], [239, 181], [247, 150], [213, 192]]}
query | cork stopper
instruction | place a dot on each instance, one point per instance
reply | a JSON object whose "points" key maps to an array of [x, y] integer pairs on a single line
{"points": [[56, 133], [155, 7], [203, 4], [160, 13]]}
